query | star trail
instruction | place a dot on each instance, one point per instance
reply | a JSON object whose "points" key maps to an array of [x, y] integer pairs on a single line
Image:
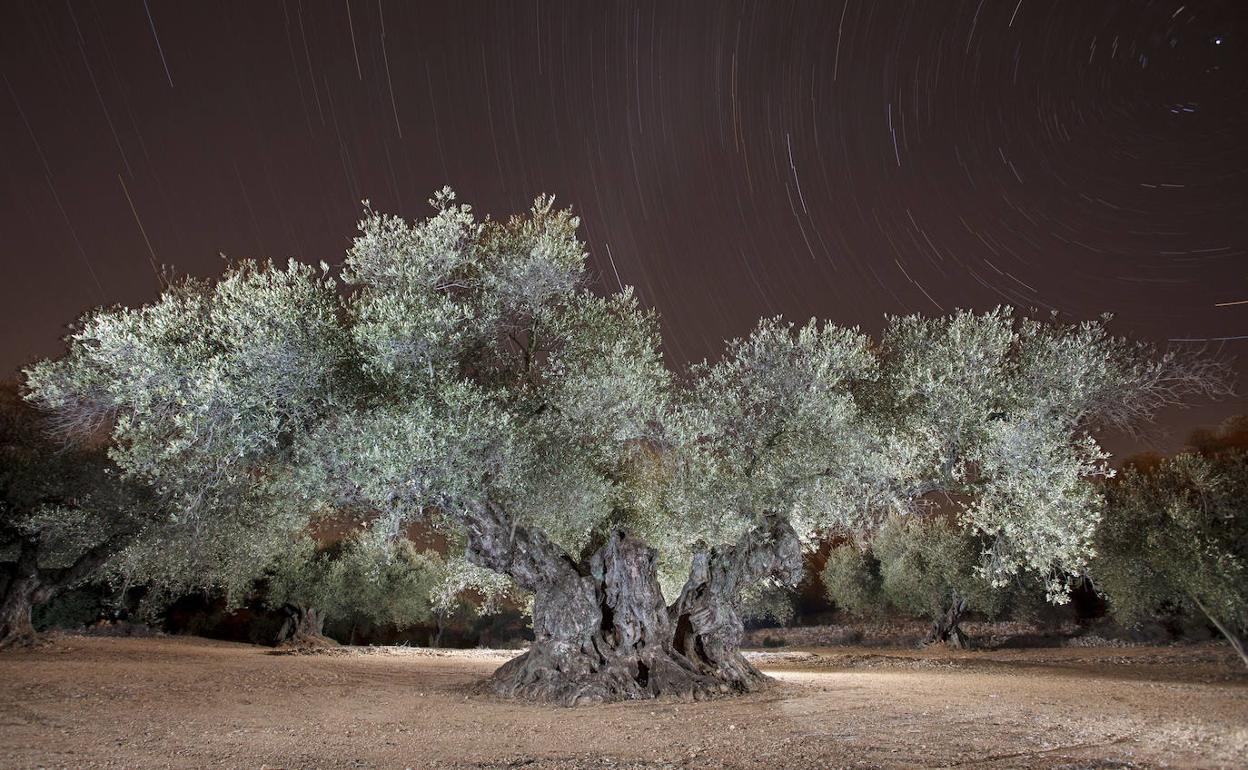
{"points": [[845, 159]]}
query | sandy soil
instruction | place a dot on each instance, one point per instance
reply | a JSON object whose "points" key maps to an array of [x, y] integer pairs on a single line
{"points": [[184, 702]]}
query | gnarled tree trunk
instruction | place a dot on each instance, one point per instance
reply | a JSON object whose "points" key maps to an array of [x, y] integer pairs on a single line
{"points": [[945, 628], [602, 631], [24, 587], [303, 627], [26, 584], [708, 629], [16, 603]]}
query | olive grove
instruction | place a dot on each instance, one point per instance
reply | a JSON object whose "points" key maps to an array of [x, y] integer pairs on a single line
{"points": [[459, 371]]}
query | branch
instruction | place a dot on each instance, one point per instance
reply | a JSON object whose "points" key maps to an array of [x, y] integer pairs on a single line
{"points": [[86, 563]]}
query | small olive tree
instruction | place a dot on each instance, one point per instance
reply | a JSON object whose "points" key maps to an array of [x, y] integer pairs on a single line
{"points": [[358, 582], [298, 584], [926, 567], [851, 579], [935, 571], [1177, 536]]}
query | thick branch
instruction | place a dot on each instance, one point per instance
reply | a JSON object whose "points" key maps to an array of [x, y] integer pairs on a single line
{"points": [[708, 628], [496, 541], [85, 564]]}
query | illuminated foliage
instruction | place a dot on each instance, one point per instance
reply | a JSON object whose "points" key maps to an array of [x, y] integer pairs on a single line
{"points": [[460, 372]]}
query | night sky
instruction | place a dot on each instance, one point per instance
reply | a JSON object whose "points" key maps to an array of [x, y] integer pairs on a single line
{"points": [[730, 160]]}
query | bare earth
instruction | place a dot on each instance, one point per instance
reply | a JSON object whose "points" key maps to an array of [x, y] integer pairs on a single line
{"points": [[184, 702]]}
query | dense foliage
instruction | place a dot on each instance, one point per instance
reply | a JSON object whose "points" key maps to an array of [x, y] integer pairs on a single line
{"points": [[1176, 537], [851, 579], [361, 585], [999, 411], [923, 567]]}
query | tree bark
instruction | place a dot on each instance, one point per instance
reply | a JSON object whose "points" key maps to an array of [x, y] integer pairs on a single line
{"points": [[707, 627], [16, 604], [24, 587], [945, 628], [303, 627], [601, 629], [1235, 639]]}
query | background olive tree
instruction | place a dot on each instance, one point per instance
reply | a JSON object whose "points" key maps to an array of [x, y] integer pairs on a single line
{"points": [[925, 567], [1176, 536], [357, 583], [65, 511], [998, 414]]}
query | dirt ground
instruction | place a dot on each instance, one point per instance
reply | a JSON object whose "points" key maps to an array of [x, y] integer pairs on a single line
{"points": [[184, 702]]}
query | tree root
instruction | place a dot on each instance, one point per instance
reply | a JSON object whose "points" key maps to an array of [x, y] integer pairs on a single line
{"points": [[589, 678], [20, 641]]}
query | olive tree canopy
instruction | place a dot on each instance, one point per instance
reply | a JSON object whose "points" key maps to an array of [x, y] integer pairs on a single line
{"points": [[459, 371], [997, 414]]}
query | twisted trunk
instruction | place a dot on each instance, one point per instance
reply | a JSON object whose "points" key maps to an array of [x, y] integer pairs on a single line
{"points": [[24, 587], [303, 627], [945, 628], [26, 584], [708, 628], [18, 599], [602, 631]]}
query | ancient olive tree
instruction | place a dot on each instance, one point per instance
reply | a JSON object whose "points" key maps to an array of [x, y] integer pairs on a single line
{"points": [[465, 376], [361, 582], [1177, 536], [459, 372], [996, 413], [64, 512]]}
